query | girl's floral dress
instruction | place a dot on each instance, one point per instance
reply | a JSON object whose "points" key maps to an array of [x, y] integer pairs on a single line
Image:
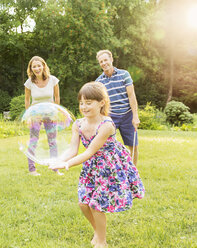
{"points": [[108, 181]]}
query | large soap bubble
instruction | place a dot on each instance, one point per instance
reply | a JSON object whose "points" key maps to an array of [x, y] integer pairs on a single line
{"points": [[49, 128]]}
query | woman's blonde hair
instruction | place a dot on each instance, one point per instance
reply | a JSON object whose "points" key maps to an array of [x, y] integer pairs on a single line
{"points": [[46, 71], [95, 91]]}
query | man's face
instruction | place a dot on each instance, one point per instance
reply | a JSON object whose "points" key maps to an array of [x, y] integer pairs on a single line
{"points": [[105, 62]]}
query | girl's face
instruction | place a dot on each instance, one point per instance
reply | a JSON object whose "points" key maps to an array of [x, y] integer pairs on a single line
{"points": [[37, 68], [90, 108]]}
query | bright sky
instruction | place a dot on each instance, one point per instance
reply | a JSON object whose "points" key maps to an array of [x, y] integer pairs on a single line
{"points": [[29, 23], [28, 26]]}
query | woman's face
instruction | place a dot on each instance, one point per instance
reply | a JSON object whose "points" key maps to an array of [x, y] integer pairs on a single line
{"points": [[37, 68]]}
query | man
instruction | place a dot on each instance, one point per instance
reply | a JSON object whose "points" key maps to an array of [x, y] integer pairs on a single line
{"points": [[124, 107]]}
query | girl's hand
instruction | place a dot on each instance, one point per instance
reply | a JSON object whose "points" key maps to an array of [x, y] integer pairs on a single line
{"points": [[58, 165]]}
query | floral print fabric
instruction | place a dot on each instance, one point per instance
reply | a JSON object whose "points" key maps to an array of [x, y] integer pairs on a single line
{"points": [[108, 181]]}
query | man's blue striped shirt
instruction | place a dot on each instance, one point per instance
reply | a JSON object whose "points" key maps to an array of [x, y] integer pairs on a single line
{"points": [[116, 88]]}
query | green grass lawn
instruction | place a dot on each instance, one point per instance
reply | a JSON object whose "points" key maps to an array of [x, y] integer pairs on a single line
{"points": [[42, 212]]}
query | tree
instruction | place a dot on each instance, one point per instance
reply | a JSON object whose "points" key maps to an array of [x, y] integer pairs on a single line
{"points": [[133, 23], [176, 45], [14, 45], [69, 34]]}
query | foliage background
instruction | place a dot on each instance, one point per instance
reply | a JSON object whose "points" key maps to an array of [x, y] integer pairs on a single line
{"points": [[68, 34]]}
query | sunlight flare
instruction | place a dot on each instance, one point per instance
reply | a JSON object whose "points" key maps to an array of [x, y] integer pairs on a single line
{"points": [[192, 16]]}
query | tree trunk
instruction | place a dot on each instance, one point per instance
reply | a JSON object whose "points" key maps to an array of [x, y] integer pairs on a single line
{"points": [[22, 59], [171, 78], [22, 69], [172, 33]]}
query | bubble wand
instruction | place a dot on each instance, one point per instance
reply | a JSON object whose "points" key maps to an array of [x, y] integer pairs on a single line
{"points": [[135, 131]]}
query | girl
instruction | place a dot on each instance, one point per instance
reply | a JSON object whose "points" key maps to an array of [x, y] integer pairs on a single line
{"points": [[41, 87], [108, 181]]}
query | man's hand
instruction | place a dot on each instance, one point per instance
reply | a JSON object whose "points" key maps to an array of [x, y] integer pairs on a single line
{"points": [[135, 122]]}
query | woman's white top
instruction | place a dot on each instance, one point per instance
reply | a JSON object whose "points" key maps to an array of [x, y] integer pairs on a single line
{"points": [[44, 94]]}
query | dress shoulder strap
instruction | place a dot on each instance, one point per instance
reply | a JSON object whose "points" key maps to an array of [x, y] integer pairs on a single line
{"points": [[102, 122], [78, 123]]}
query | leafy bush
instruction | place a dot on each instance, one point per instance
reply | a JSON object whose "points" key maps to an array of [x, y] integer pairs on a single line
{"points": [[151, 118], [177, 113], [4, 101], [17, 106], [195, 120], [187, 127], [11, 129]]}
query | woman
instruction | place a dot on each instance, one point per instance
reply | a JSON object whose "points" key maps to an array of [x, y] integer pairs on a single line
{"points": [[41, 87]]}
